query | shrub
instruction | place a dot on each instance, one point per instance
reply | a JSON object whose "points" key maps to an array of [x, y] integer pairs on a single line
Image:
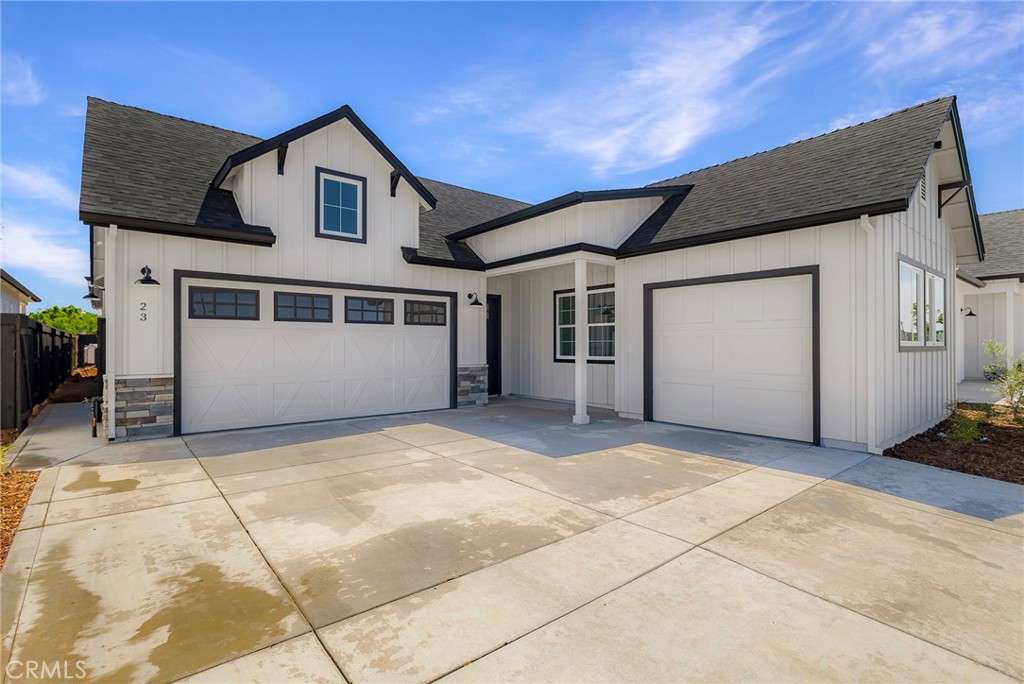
{"points": [[997, 353], [1010, 385]]}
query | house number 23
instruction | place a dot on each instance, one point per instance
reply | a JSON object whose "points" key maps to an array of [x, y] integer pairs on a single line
{"points": [[142, 311]]}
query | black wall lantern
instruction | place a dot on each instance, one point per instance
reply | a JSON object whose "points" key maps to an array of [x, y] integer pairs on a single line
{"points": [[147, 277], [474, 300], [969, 314]]}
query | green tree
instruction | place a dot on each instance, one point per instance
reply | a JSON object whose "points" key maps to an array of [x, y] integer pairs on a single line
{"points": [[69, 318]]}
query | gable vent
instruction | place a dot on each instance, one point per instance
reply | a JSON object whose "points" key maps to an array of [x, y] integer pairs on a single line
{"points": [[924, 190]]}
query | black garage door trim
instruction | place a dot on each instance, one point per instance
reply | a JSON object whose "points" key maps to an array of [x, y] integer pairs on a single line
{"points": [[453, 331], [812, 271]]}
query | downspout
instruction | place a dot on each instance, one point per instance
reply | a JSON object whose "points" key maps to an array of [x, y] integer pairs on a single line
{"points": [[872, 330], [112, 314]]}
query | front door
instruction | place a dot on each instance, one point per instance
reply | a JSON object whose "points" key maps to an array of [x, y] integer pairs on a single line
{"points": [[493, 344]]}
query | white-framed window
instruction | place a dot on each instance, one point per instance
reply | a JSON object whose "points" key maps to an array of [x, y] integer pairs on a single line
{"points": [[340, 205], [922, 307], [600, 325]]}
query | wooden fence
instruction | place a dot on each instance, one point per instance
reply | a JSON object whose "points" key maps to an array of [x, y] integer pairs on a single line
{"points": [[34, 360]]}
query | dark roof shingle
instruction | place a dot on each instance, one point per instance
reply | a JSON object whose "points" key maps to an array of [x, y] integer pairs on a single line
{"points": [[142, 165], [1004, 246], [873, 163]]}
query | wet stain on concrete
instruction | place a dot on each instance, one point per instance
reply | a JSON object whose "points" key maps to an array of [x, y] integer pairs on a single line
{"points": [[344, 582], [67, 612], [211, 619], [90, 479]]}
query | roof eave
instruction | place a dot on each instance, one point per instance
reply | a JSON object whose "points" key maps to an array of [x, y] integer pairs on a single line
{"points": [[343, 112], [970, 280], [16, 284], [412, 256], [262, 237], [875, 209], [564, 202], [965, 170]]}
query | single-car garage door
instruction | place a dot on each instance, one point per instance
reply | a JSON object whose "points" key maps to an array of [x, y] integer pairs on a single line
{"points": [[254, 354], [735, 355]]}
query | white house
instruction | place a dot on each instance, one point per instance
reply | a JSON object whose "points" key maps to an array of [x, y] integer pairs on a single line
{"points": [[798, 293], [14, 297], [991, 294]]}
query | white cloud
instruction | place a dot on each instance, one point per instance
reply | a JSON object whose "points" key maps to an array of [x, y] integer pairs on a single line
{"points": [[684, 83], [26, 246], [20, 86], [33, 183], [940, 38]]}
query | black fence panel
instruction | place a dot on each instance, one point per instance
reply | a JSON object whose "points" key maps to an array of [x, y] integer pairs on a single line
{"points": [[34, 360]]}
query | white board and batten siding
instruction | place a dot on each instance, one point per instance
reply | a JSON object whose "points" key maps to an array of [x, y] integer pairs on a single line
{"points": [[286, 204], [528, 336], [858, 281], [606, 223]]}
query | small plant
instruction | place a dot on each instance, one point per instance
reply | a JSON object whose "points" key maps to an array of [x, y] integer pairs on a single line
{"points": [[3, 458], [962, 428], [1010, 386], [996, 352]]}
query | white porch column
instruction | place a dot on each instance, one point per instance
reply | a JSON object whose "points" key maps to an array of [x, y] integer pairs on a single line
{"points": [[582, 343]]}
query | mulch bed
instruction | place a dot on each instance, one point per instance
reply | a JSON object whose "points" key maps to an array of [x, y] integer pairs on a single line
{"points": [[15, 489], [1000, 456]]}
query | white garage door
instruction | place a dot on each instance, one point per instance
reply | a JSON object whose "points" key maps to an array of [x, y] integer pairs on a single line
{"points": [[736, 356], [257, 354]]}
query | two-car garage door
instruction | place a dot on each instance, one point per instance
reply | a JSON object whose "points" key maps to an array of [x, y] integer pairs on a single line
{"points": [[256, 354], [735, 355]]}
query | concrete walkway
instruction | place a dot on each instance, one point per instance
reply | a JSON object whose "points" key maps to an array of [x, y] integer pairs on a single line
{"points": [[978, 392], [451, 545]]}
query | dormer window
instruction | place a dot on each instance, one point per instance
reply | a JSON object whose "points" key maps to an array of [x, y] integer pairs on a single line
{"points": [[340, 205]]}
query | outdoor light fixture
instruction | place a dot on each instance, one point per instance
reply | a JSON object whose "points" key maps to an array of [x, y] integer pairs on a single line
{"points": [[474, 300], [147, 278], [92, 297], [969, 313]]}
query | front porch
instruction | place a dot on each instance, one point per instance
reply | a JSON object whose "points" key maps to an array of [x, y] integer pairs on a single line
{"points": [[533, 327]]}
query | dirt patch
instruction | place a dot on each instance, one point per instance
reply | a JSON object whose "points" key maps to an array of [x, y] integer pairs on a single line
{"points": [[75, 389], [15, 489], [978, 439]]}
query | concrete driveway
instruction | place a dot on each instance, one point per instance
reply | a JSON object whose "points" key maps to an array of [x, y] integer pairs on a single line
{"points": [[502, 544]]}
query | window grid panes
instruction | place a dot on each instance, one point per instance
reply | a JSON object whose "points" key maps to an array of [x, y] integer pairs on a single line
{"points": [[369, 310], [341, 206], [425, 313], [225, 304], [295, 306], [600, 325]]}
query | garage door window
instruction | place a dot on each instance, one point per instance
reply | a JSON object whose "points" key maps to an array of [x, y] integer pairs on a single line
{"points": [[295, 306], [367, 310], [922, 307], [224, 304], [425, 313], [600, 325]]}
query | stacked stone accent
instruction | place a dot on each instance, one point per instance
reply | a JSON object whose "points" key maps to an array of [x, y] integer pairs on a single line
{"points": [[144, 407], [472, 385]]}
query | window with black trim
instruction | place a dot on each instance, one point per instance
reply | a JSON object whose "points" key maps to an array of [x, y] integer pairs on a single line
{"points": [[922, 307], [600, 325], [425, 313], [298, 306], [223, 303], [369, 310], [340, 205]]}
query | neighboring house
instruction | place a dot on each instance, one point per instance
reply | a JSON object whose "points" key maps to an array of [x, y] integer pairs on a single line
{"points": [[993, 291], [14, 297], [798, 293]]}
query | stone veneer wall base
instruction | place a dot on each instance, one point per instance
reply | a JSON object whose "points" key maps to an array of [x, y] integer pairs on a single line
{"points": [[144, 407], [472, 385]]}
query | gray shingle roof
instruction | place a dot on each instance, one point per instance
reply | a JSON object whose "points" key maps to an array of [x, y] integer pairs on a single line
{"points": [[458, 208], [1003, 233], [873, 163], [143, 165]]}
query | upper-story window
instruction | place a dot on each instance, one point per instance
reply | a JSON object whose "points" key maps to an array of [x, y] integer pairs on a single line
{"points": [[340, 205]]}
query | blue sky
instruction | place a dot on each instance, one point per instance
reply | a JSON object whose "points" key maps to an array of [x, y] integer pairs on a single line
{"points": [[526, 100]]}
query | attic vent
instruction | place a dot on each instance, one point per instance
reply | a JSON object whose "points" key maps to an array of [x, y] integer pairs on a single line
{"points": [[924, 188]]}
